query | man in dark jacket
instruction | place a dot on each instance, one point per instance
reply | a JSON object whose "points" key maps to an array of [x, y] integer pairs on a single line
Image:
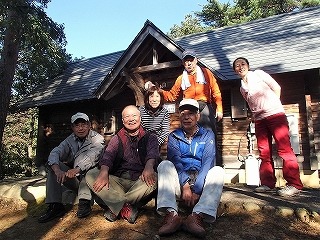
{"points": [[68, 163], [126, 176]]}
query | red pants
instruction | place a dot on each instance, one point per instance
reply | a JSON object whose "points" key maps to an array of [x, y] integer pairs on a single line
{"points": [[276, 126]]}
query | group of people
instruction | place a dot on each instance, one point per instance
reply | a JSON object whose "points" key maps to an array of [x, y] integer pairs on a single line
{"points": [[123, 175]]}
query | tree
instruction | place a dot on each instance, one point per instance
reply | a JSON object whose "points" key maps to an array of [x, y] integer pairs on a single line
{"points": [[188, 26], [215, 14], [32, 51], [19, 143]]}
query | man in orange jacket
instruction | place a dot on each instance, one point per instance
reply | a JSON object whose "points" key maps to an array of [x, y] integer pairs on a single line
{"points": [[199, 84]]}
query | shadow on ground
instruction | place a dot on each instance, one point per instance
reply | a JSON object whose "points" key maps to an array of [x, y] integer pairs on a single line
{"points": [[19, 222]]}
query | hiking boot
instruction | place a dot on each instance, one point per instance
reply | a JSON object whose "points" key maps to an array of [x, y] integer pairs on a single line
{"points": [[288, 191], [54, 210], [171, 224], [129, 212], [194, 225], [109, 215], [262, 189], [84, 208]]}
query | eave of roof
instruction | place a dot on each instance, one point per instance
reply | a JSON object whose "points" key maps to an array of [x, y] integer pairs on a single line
{"points": [[78, 82]]}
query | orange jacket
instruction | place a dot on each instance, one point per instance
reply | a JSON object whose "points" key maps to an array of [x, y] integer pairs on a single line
{"points": [[208, 93]]}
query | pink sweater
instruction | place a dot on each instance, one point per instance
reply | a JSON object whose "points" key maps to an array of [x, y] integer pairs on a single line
{"points": [[260, 94]]}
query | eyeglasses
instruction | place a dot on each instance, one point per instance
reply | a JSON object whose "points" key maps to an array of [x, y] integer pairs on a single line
{"points": [[188, 59], [134, 116], [188, 113], [81, 125]]}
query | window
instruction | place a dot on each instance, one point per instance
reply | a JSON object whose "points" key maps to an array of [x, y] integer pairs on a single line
{"points": [[238, 104]]}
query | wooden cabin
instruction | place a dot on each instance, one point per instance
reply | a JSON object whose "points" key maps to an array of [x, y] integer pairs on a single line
{"points": [[287, 46]]}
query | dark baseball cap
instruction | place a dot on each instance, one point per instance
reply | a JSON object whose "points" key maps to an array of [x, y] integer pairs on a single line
{"points": [[188, 53]]}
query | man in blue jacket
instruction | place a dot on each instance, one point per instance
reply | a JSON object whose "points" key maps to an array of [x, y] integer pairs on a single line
{"points": [[189, 175]]}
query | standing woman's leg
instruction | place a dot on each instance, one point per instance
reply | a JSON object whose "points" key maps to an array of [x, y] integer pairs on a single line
{"points": [[280, 131], [264, 142]]}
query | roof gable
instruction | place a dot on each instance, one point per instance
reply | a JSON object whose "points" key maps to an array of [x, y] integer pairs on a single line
{"points": [[150, 43], [139, 53]]}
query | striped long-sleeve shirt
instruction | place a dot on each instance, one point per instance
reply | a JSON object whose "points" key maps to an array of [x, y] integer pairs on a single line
{"points": [[157, 122]]}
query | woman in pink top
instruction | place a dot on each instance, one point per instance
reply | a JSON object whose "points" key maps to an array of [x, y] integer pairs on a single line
{"points": [[262, 94]]}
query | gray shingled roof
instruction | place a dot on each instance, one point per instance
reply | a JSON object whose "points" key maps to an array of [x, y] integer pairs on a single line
{"points": [[77, 83], [282, 43]]}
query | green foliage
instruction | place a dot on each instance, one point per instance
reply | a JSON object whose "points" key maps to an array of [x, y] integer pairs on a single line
{"points": [[188, 26], [42, 53], [19, 143], [309, 3], [41, 56], [215, 14]]}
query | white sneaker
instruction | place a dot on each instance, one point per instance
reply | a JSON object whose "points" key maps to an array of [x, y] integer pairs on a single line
{"points": [[288, 191], [262, 188]]}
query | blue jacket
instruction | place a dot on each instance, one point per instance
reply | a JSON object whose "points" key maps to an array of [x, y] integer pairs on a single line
{"points": [[198, 155]]}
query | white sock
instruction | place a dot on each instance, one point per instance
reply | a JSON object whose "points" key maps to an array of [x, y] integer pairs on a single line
{"points": [[172, 210]]}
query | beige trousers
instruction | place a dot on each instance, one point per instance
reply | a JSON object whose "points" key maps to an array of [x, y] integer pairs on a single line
{"points": [[121, 190]]}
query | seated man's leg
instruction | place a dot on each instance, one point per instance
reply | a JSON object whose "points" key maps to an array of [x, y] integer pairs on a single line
{"points": [[84, 191], [85, 199], [54, 194], [207, 206], [137, 192], [54, 189], [168, 190], [113, 198], [168, 187], [210, 198]]}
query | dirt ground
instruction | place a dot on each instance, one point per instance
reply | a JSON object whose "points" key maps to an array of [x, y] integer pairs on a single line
{"points": [[19, 221]]}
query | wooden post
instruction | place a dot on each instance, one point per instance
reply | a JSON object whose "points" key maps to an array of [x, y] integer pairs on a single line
{"points": [[136, 84], [310, 133]]}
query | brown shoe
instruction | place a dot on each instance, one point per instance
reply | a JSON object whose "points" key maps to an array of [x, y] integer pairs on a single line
{"points": [[171, 224], [194, 225]]}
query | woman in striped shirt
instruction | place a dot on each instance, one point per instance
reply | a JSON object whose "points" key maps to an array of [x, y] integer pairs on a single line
{"points": [[154, 117]]}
